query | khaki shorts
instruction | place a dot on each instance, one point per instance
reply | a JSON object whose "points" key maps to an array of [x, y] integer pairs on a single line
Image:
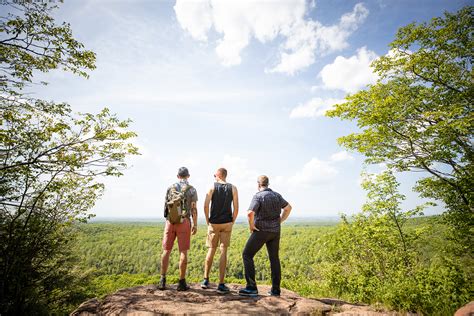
{"points": [[219, 234]]}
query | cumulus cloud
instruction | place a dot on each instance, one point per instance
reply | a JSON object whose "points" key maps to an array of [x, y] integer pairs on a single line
{"points": [[239, 21], [240, 172], [307, 38], [313, 173], [317, 171], [314, 108], [341, 156], [195, 17], [350, 74]]}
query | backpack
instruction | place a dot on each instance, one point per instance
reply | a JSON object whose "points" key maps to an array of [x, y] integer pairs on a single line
{"points": [[176, 211]]}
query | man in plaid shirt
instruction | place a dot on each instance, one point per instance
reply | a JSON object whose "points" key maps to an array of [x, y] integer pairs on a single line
{"points": [[265, 218]]}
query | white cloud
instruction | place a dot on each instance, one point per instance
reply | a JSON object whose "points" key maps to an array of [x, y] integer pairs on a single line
{"points": [[341, 156], [313, 173], [240, 173], [349, 22], [195, 17], [316, 171], [308, 38], [314, 107], [350, 74], [238, 165], [298, 52], [239, 21]]}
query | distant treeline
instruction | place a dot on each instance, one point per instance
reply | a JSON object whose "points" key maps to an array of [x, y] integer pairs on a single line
{"points": [[119, 255], [116, 248]]}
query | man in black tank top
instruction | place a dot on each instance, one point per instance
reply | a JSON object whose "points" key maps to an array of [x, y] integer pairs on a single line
{"points": [[224, 201]]}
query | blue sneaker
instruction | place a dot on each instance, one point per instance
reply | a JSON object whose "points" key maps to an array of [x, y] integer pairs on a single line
{"points": [[248, 292], [271, 293], [205, 284], [222, 289]]}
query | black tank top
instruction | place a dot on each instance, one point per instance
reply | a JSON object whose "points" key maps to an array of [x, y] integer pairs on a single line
{"points": [[221, 206]]}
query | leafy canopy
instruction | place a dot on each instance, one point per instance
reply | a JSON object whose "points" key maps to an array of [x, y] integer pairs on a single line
{"points": [[419, 115], [31, 40], [376, 257], [52, 161]]}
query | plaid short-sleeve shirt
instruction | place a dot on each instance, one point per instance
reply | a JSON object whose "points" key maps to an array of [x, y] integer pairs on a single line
{"points": [[267, 206]]}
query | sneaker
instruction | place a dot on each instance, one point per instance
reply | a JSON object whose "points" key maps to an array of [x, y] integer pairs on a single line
{"points": [[205, 284], [182, 286], [271, 293], [162, 284], [222, 289], [248, 292]]}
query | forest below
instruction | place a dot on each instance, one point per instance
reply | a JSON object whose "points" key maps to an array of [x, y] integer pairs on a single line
{"points": [[126, 254], [116, 255]]}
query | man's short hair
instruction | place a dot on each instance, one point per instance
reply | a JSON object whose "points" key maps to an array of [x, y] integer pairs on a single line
{"points": [[183, 172], [222, 172], [263, 181]]}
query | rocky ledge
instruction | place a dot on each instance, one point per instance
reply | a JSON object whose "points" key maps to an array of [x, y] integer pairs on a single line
{"points": [[148, 300]]}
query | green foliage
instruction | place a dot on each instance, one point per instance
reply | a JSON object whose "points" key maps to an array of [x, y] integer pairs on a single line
{"points": [[51, 159], [49, 181], [377, 258], [419, 115], [136, 248], [125, 255], [361, 260], [31, 40]]}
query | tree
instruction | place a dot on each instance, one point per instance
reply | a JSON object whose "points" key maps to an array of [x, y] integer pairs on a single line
{"points": [[375, 257], [31, 40], [52, 161], [419, 115]]}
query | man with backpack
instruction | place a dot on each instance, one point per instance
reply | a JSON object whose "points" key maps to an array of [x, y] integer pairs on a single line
{"points": [[224, 202], [180, 205], [264, 223]]}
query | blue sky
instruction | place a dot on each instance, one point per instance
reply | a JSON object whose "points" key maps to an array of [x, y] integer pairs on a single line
{"points": [[238, 84]]}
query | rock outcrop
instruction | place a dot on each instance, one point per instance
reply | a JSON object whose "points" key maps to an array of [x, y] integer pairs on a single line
{"points": [[466, 310], [148, 300]]}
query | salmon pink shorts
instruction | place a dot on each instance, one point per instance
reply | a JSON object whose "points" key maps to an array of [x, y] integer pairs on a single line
{"points": [[182, 231]]}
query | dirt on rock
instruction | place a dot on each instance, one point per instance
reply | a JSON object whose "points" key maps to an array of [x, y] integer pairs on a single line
{"points": [[148, 300]]}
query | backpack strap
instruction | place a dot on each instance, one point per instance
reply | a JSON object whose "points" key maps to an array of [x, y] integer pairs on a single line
{"points": [[186, 190]]}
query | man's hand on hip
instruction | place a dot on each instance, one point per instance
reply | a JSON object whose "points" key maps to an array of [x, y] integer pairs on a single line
{"points": [[252, 228]]}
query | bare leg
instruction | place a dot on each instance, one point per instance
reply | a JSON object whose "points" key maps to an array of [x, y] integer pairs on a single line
{"points": [[208, 263], [165, 260], [183, 263], [222, 264]]}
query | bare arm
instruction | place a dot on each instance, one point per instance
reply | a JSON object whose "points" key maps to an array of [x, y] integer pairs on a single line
{"points": [[251, 216], [195, 217], [286, 213], [235, 201], [207, 201]]}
